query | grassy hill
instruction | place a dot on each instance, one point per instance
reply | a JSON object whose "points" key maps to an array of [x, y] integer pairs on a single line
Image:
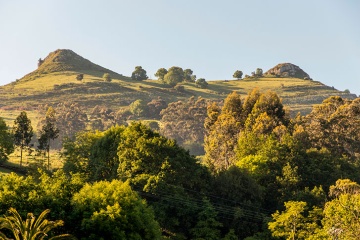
{"points": [[55, 81]]}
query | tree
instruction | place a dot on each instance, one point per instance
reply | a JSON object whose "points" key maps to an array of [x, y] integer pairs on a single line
{"points": [[342, 214], [31, 228], [80, 77], [207, 227], [163, 171], [155, 106], [48, 132], [138, 108], [160, 74], [189, 76], [174, 76], [112, 210], [139, 74], [238, 74], [258, 72], [184, 121], [201, 83], [107, 77], [6, 141], [221, 137], [293, 223], [23, 132]]}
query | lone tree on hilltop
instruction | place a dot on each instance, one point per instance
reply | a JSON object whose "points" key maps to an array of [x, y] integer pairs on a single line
{"points": [[161, 72], [23, 132], [238, 74], [139, 74], [174, 76], [48, 132]]}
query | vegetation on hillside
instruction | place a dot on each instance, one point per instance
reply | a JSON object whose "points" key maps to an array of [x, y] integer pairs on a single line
{"points": [[264, 174]]}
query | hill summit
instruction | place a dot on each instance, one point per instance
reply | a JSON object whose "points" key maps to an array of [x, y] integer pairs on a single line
{"points": [[287, 70], [67, 60], [63, 60]]}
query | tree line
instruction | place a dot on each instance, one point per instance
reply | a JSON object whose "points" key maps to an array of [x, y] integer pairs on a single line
{"points": [[263, 174]]}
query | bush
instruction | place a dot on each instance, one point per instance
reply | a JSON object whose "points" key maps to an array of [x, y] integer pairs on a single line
{"points": [[107, 77], [179, 88]]}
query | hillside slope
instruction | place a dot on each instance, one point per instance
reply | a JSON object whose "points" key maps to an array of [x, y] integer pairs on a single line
{"points": [[55, 81]]}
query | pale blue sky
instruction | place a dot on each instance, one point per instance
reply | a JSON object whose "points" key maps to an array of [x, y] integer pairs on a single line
{"points": [[213, 38]]}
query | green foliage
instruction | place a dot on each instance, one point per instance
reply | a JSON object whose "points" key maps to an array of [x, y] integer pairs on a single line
{"points": [[174, 76], [138, 108], [179, 88], [342, 219], [240, 199], [292, 223], [160, 74], [207, 227], [6, 141], [201, 83], [103, 160], [238, 74], [23, 132], [162, 169], [77, 151], [189, 76], [48, 132], [221, 138], [31, 228], [107, 77], [258, 72], [112, 210], [139, 74]]}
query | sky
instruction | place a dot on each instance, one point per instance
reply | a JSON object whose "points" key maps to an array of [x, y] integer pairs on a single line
{"points": [[213, 38]]}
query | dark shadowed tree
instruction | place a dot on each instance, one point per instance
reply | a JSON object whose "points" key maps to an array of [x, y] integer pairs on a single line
{"points": [[201, 83], [238, 74], [6, 141], [139, 74], [48, 132], [23, 132]]}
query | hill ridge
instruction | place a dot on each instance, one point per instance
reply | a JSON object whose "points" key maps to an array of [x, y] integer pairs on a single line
{"points": [[62, 60]]}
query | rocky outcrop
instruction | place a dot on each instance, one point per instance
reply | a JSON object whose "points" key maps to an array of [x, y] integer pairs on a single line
{"points": [[287, 70]]}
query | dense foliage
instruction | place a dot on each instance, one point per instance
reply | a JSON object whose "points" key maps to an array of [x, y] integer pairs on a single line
{"points": [[264, 175]]}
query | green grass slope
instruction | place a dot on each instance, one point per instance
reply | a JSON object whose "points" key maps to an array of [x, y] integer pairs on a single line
{"points": [[55, 81]]}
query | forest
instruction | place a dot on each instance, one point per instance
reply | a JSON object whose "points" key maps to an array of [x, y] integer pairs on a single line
{"points": [[241, 168]]}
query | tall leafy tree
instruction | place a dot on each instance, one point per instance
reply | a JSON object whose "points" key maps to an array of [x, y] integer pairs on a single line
{"points": [[160, 74], [342, 213], [295, 222], [238, 74], [174, 76], [23, 132], [221, 138], [189, 76], [6, 141], [139, 74], [48, 132]]}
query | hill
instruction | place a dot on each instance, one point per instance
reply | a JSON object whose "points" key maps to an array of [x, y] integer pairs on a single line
{"points": [[55, 81]]}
